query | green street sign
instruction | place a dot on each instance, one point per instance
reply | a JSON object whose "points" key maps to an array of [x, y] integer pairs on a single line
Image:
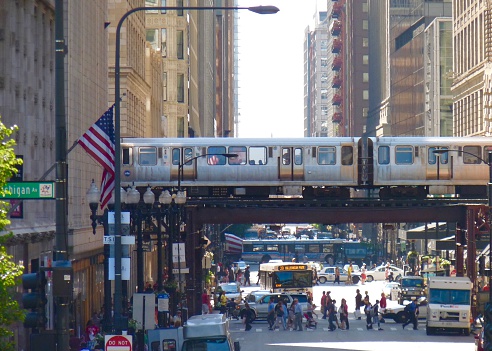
{"points": [[29, 190]]}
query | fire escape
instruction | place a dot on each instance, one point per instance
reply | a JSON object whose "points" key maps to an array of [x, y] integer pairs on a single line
{"points": [[336, 30]]}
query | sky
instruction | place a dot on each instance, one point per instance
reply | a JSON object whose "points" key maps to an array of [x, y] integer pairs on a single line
{"points": [[271, 68]]}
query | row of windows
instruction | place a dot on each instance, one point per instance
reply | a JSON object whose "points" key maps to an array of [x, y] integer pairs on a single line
{"points": [[254, 155], [325, 155], [404, 155]]}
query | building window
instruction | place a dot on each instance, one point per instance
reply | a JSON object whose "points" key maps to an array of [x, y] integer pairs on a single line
{"points": [[365, 24], [365, 77], [179, 3], [152, 36], [151, 3], [365, 42], [180, 87], [365, 59], [365, 94], [365, 112], [164, 86], [164, 42], [365, 7], [163, 3], [180, 44]]}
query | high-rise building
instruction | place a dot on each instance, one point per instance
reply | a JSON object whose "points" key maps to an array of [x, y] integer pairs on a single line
{"points": [[336, 84], [472, 74]]}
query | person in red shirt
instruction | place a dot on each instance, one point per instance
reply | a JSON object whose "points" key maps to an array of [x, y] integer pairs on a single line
{"points": [[205, 302], [382, 302], [91, 330]]}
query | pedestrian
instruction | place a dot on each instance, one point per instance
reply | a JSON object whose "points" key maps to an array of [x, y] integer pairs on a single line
{"points": [[358, 304], [292, 316], [205, 302], [367, 311], [382, 303], [271, 314], [363, 275], [330, 312], [343, 310], [350, 270], [375, 315], [247, 274], [337, 276], [247, 316], [412, 312], [298, 315], [279, 314], [91, 332], [223, 302], [323, 305], [239, 277], [286, 313]]}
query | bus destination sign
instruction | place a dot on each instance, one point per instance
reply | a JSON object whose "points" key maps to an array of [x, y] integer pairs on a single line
{"points": [[293, 267]]}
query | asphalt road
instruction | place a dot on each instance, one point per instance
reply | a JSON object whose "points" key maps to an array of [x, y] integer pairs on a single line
{"points": [[358, 338]]}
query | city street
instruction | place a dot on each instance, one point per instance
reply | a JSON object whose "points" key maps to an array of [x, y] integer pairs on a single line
{"points": [[357, 338]]}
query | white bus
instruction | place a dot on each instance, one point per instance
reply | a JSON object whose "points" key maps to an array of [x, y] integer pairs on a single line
{"points": [[286, 277]]}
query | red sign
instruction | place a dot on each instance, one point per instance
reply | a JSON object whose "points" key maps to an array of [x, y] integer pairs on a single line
{"points": [[118, 343]]}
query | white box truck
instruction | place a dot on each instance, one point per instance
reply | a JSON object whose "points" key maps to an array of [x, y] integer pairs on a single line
{"points": [[207, 332], [449, 304]]}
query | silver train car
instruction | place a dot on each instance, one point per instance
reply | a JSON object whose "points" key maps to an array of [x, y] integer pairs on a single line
{"points": [[394, 167]]}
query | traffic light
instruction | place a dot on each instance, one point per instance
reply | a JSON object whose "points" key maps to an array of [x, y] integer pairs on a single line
{"points": [[481, 265], [34, 300]]}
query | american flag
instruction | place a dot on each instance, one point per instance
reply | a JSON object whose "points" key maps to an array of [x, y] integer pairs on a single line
{"points": [[98, 141]]}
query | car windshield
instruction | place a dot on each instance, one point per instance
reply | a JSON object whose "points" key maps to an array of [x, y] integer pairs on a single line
{"points": [[229, 288], [412, 283], [201, 344]]}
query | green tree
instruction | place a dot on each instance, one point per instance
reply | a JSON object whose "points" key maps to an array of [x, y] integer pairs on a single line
{"points": [[10, 311]]}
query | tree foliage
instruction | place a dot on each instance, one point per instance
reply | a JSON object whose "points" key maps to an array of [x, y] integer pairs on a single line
{"points": [[10, 311]]}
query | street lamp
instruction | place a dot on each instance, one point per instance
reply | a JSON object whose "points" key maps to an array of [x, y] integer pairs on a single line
{"points": [[488, 306], [119, 321]]}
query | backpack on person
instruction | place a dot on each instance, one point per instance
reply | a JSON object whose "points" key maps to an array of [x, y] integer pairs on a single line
{"points": [[373, 311]]}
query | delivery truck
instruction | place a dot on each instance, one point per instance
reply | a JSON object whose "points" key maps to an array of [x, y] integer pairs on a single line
{"points": [[207, 332], [449, 304]]}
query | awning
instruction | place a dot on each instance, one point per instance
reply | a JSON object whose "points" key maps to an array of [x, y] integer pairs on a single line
{"points": [[234, 244]]}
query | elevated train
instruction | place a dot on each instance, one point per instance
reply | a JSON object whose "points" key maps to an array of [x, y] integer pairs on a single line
{"points": [[394, 167]]}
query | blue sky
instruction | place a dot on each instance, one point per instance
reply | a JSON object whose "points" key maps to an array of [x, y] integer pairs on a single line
{"points": [[271, 68]]}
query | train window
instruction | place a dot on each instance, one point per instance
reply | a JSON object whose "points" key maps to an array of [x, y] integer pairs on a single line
{"points": [[176, 157], [126, 156], [472, 154], [298, 156], [384, 155], [404, 155], [241, 155], [215, 157], [188, 155], [286, 156], [147, 156], [347, 155], [486, 151], [432, 157], [257, 155], [327, 155]]}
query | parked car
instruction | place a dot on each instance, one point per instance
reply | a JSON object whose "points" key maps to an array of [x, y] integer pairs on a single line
{"points": [[398, 314], [260, 308], [255, 295], [232, 291], [378, 273], [327, 274]]}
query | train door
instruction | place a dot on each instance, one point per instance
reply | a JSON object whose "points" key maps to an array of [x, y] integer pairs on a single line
{"points": [[179, 157], [291, 163], [438, 165]]}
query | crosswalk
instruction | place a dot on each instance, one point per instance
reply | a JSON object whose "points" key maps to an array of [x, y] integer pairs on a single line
{"points": [[309, 330]]}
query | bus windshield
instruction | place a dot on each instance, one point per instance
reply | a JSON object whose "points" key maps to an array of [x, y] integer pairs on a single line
{"points": [[293, 279], [449, 297]]}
